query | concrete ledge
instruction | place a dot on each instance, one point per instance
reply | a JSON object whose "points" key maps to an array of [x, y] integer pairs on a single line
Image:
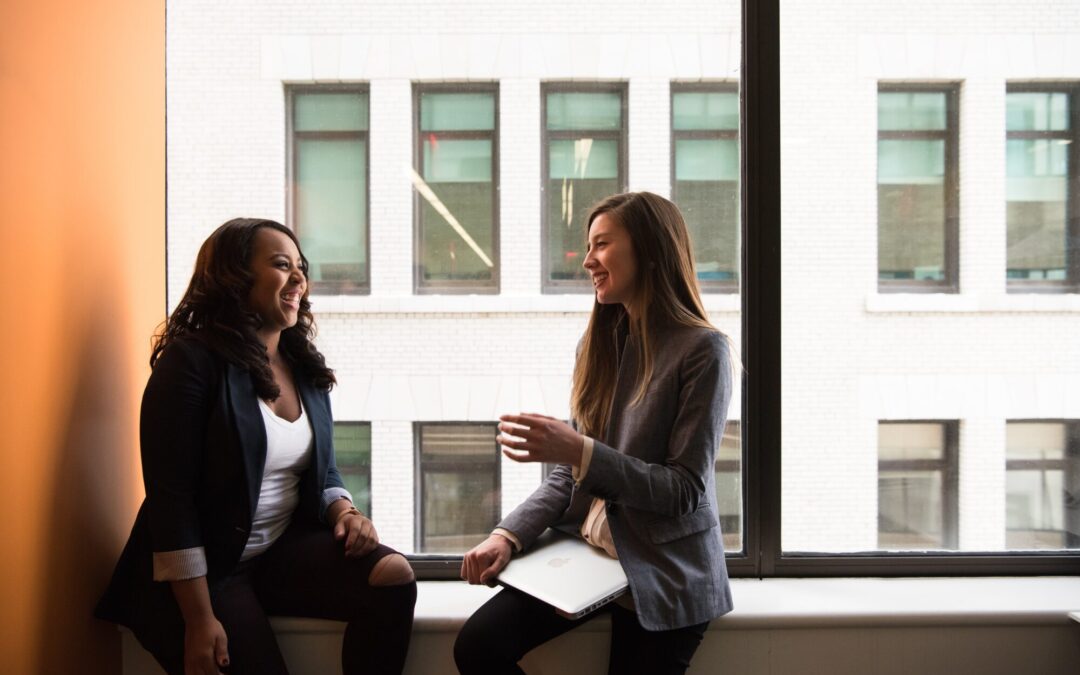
{"points": [[999, 624]]}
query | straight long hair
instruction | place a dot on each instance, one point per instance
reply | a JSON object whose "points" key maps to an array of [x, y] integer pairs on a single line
{"points": [[665, 293]]}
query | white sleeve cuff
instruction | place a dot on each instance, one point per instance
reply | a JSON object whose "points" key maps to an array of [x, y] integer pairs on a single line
{"points": [[186, 563], [509, 535], [586, 459], [331, 495]]}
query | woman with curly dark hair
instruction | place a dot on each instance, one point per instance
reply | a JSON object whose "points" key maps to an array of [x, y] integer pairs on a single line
{"points": [[246, 514]]}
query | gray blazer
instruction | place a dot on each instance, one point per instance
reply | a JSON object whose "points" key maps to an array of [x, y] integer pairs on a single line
{"points": [[655, 469]]}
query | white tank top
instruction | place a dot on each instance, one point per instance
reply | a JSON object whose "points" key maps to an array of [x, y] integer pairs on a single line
{"points": [[288, 453]]}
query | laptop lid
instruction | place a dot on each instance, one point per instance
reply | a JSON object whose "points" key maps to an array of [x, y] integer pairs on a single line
{"points": [[566, 573]]}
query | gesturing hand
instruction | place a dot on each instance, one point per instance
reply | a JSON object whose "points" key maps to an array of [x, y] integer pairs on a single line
{"points": [[358, 532], [482, 564], [539, 438]]}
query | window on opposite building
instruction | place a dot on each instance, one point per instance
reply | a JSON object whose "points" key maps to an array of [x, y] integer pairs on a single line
{"points": [[1042, 189], [917, 486], [458, 486], [456, 183], [584, 160], [1042, 485], [328, 184], [918, 205], [352, 450], [705, 177], [729, 486]]}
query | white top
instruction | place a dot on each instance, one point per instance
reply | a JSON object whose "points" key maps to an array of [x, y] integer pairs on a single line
{"points": [[288, 453]]}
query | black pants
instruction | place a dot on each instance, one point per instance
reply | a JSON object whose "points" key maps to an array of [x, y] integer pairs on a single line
{"points": [[305, 573], [511, 624]]}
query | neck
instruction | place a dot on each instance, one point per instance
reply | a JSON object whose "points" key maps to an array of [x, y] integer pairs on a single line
{"points": [[271, 340]]}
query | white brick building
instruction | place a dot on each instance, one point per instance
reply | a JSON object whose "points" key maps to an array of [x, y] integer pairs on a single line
{"points": [[852, 356]]}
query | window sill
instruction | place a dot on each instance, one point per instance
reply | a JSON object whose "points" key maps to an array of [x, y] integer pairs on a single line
{"points": [[969, 303], [443, 606], [578, 303]]}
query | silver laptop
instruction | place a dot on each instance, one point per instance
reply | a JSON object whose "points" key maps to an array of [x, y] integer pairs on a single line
{"points": [[566, 573]]}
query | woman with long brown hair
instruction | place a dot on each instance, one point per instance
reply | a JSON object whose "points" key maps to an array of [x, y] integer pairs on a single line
{"points": [[246, 514], [652, 383]]}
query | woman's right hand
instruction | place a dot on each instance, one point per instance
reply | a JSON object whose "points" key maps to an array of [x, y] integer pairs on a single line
{"points": [[205, 647], [482, 564]]}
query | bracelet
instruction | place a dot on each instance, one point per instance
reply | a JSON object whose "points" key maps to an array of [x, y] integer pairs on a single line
{"points": [[351, 509]]}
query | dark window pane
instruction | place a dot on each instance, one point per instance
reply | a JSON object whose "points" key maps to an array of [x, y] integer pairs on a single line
{"points": [[331, 208], [729, 487], [584, 110], [1042, 487], [459, 488], [911, 209], [914, 503], [331, 111], [352, 451]]}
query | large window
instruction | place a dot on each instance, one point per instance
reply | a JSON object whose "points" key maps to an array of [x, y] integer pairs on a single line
{"points": [[917, 188], [584, 160], [352, 450], [458, 496], [1042, 485], [457, 187], [917, 485], [329, 184], [705, 177], [1041, 191]]}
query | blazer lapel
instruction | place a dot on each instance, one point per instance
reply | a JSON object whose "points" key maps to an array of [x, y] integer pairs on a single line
{"points": [[250, 430]]}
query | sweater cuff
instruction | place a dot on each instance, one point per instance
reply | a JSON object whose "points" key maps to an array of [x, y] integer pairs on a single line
{"points": [[586, 459], [509, 535], [186, 563]]}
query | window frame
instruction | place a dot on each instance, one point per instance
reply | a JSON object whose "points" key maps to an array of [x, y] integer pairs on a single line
{"points": [[1072, 453], [291, 91], [761, 420], [951, 137], [948, 465], [456, 287], [718, 286], [1071, 283], [621, 87], [442, 560]]}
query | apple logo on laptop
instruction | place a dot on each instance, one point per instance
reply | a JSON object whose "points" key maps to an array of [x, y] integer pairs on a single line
{"points": [[558, 562]]}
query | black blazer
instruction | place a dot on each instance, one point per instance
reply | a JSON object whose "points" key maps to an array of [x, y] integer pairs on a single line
{"points": [[203, 447]]}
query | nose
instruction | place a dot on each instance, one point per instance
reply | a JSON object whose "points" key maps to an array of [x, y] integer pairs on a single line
{"points": [[589, 262]]}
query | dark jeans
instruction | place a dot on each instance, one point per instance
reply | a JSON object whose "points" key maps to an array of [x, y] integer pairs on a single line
{"points": [[305, 573], [511, 624]]}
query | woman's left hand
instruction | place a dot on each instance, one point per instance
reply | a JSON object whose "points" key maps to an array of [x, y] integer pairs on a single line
{"points": [[542, 439], [359, 534]]}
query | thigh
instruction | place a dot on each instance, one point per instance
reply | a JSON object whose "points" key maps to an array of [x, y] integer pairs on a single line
{"points": [[636, 650], [306, 573], [512, 624], [251, 643]]}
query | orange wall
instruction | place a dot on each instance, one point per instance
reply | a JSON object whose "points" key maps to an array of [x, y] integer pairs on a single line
{"points": [[82, 239]]}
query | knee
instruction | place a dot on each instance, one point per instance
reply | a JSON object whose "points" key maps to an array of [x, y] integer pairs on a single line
{"points": [[392, 570]]}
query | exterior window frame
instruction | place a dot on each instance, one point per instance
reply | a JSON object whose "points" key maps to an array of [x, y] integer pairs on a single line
{"points": [[1071, 283], [1072, 454], [717, 86], [456, 287], [440, 563], [951, 137], [362, 287], [948, 465], [564, 286]]}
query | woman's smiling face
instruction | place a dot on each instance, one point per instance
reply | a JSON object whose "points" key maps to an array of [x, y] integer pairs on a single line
{"points": [[279, 280], [611, 261]]}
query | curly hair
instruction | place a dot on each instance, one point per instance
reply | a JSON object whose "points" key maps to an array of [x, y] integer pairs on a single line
{"points": [[214, 311]]}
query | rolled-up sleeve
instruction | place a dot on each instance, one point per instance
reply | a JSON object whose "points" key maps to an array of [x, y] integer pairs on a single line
{"points": [[179, 565], [331, 495]]}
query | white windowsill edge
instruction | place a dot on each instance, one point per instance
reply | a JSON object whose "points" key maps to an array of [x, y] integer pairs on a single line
{"points": [[971, 303], [443, 606], [481, 304]]}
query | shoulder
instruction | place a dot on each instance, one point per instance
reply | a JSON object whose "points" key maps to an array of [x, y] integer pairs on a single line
{"points": [[696, 342], [187, 354]]}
